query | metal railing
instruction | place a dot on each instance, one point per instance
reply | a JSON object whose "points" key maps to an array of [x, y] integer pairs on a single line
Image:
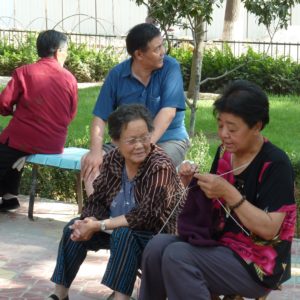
{"points": [[276, 50], [16, 37]]}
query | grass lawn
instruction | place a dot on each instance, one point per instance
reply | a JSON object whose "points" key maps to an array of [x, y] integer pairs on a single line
{"points": [[78, 133]]}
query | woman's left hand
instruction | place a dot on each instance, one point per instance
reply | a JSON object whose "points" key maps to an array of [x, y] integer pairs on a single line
{"points": [[214, 186]]}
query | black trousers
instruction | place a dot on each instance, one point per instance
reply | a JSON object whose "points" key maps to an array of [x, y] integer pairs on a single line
{"points": [[9, 178]]}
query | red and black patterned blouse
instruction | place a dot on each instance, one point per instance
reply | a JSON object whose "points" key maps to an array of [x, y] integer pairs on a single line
{"points": [[268, 183]]}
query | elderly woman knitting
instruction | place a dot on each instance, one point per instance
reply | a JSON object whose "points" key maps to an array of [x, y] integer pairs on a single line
{"points": [[134, 195], [237, 225]]}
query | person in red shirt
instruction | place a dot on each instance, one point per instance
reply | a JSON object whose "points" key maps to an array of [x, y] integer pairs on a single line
{"points": [[42, 100]]}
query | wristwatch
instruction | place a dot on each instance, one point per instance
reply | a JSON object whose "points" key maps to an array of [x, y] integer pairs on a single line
{"points": [[102, 225]]}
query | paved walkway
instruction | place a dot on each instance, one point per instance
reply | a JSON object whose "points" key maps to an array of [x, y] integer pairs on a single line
{"points": [[28, 252]]}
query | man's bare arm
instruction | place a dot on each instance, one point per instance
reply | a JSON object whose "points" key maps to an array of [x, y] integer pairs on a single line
{"points": [[162, 121], [91, 162]]}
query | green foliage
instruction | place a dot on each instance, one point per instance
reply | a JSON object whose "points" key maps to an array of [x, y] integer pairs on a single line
{"points": [[275, 76], [78, 62], [199, 152], [184, 55], [219, 61], [86, 64], [175, 12], [52, 183], [271, 10], [90, 65], [105, 59], [296, 166], [13, 56]]}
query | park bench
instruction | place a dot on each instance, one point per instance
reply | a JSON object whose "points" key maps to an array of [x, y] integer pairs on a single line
{"points": [[68, 160]]}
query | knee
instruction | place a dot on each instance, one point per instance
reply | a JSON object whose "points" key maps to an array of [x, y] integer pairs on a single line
{"points": [[175, 254], [156, 247], [67, 231]]}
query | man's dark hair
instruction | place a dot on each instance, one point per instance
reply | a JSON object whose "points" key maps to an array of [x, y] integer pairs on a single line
{"points": [[246, 100], [49, 41], [124, 114], [139, 36]]}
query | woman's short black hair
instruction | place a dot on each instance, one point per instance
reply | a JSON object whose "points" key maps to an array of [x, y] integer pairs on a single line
{"points": [[49, 41], [124, 114], [139, 36], [245, 100]]}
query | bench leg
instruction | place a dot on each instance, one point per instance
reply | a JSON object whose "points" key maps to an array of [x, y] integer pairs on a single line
{"points": [[79, 192], [32, 191]]}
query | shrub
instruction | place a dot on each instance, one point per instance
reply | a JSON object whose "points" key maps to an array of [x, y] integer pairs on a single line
{"points": [[52, 183], [90, 65], [13, 56], [275, 76], [184, 57], [86, 64], [199, 152], [105, 59]]}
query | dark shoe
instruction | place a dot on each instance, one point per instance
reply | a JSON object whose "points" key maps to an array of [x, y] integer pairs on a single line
{"points": [[54, 297], [9, 204]]}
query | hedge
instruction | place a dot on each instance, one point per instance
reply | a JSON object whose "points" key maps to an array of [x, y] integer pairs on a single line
{"points": [[279, 76]]}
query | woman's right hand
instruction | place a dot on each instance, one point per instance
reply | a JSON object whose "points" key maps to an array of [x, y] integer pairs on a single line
{"points": [[186, 172]]}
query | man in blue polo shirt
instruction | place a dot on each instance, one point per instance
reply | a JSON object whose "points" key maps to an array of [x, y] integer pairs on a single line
{"points": [[148, 77]]}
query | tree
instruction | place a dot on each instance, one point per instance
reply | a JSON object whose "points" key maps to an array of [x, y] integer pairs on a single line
{"points": [[231, 20], [193, 14]]}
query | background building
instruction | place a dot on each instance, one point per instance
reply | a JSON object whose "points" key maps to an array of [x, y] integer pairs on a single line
{"points": [[115, 17]]}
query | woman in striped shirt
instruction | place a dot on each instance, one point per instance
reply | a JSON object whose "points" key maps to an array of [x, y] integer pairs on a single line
{"points": [[134, 195]]}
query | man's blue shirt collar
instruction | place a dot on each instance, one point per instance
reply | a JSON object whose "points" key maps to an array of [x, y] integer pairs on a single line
{"points": [[127, 68]]}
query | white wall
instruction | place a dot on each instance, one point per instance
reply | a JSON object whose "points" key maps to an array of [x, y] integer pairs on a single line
{"points": [[110, 17], [105, 17]]}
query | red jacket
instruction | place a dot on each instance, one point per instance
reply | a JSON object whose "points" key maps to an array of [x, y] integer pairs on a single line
{"points": [[45, 99]]}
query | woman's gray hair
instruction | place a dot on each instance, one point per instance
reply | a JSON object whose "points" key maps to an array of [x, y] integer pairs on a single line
{"points": [[126, 113]]}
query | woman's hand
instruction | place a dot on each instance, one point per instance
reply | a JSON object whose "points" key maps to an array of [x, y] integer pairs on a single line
{"points": [[186, 172], [83, 230], [266, 225], [215, 186]]}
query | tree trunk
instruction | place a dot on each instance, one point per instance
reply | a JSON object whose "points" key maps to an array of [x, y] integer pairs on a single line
{"points": [[194, 84], [232, 29]]}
